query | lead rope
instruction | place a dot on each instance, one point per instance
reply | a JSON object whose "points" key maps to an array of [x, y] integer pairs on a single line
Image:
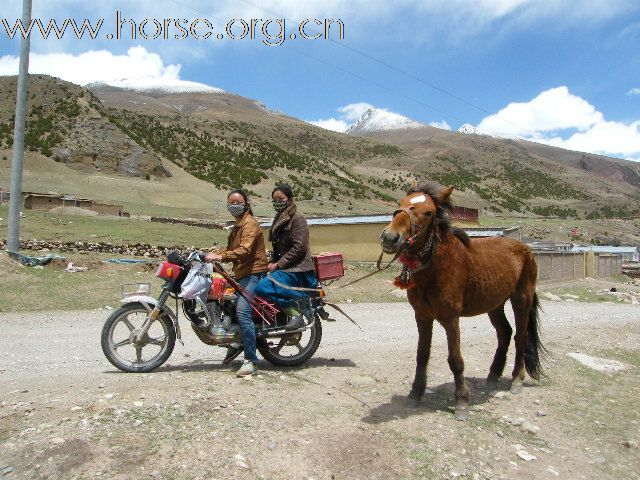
{"points": [[333, 305], [370, 274]]}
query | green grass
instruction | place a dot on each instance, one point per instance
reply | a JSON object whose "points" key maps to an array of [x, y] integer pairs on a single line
{"points": [[44, 225], [424, 456], [51, 288], [630, 357], [28, 289], [589, 293]]}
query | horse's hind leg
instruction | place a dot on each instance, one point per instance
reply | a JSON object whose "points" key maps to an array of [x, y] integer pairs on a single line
{"points": [[503, 331], [521, 303], [456, 364], [425, 332]]}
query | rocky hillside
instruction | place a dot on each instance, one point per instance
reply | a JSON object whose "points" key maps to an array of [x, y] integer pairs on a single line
{"points": [[517, 176], [228, 141], [65, 122]]}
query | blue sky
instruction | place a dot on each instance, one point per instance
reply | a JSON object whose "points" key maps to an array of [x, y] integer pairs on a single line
{"points": [[564, 72]]}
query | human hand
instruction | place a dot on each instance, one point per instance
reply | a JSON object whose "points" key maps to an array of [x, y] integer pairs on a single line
{"points": [[272, 267], [213, 257]]}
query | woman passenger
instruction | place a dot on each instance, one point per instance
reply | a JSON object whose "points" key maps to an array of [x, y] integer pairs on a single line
{"points": [[291, 264]]}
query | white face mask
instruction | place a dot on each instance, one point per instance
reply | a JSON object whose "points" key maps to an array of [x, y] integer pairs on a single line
{"points": [[236, 209]]}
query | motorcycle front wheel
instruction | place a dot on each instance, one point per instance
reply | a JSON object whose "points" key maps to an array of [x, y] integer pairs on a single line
{"points": [[292, 349], [153, 349]]}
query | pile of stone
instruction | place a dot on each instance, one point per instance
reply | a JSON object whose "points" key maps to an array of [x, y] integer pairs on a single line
{"points": [[132, 249]]}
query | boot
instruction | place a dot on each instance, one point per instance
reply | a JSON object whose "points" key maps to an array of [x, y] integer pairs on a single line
{"points": [[294, 319]]}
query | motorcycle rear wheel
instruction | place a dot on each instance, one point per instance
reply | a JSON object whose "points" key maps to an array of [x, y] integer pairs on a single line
{"points": [[271, 349], [118, 333]]}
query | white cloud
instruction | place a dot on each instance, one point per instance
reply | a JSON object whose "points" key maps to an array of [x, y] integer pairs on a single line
{"points": [[437, 18], [559, 118], [354, 111], [441, 124], [554, 109], [634, 91], [138, 68], [348, 114], [606, 138], [333, 124]]}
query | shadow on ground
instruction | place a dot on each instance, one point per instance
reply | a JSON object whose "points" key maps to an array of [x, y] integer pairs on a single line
{"points": [[437, 398], [263, 365]]}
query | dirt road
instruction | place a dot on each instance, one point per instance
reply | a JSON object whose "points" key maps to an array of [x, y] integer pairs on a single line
{"points": [[65, 412]]}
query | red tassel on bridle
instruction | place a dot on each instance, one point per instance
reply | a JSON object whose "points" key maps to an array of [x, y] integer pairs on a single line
{"points": [[410, 261], [404, 281]]}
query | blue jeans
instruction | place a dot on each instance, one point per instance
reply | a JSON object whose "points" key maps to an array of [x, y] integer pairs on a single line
{"points": [[244, 314], [283, 297]]}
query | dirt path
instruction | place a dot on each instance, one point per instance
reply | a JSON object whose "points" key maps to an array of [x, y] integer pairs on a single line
{"points": [[66, 413]]}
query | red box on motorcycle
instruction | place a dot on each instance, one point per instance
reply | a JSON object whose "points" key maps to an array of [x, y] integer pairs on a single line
{"points": [[168, 271], [329, 265]]}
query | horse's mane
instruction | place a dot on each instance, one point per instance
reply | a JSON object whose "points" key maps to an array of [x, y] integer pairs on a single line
{"points": [[443, 209]]}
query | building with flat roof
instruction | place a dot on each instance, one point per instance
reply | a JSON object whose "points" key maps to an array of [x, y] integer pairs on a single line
{"points": [[628, 253], [358, 237], [47, 201]]}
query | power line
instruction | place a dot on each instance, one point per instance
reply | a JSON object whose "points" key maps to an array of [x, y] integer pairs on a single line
{"points": [[391, 67], [410, 75]]}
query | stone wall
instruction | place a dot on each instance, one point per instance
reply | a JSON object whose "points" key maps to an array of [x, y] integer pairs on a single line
{"points": [[134, 249]]}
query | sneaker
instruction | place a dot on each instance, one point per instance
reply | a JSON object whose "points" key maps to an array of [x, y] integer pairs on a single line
{"points": [[232, 353], [247, 369]]}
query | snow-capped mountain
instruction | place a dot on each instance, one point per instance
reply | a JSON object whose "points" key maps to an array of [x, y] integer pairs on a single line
{"points": [[469, 129], [157, 85], [376, 119]]}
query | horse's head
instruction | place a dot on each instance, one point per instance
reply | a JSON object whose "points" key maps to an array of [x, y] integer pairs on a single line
{"points": [[416, 212]]}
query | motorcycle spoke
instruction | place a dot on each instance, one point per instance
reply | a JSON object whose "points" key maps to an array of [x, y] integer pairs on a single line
{"points": [[280, 345], [299, 347], [128, 324], [157, 341], [122, 343], [138, 354]]}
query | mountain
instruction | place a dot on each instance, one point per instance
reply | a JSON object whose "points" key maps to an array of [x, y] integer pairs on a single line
{"points": [[377, 119], [155, 85], [469, 129], [188, 147]]}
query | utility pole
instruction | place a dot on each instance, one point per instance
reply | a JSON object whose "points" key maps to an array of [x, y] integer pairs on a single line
{"points": [[15, 201]]}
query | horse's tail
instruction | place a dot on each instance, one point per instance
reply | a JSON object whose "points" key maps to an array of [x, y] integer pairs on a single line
{"points": [[534, 352]]}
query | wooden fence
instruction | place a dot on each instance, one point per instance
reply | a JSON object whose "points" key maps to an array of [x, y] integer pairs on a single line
{"points": [[553, 266]]}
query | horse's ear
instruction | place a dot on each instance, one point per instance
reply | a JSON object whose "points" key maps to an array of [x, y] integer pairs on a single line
{"points": [[445, 194], [414, 185]]}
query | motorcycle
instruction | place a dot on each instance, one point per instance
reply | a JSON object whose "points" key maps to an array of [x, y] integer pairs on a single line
{"points": [[141, 335]]}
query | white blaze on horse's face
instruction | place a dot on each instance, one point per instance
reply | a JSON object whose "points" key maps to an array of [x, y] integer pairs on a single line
{"points": [[404, 224]]}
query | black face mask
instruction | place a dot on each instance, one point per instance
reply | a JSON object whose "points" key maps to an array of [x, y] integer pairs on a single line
{"points": [[280, 205]]}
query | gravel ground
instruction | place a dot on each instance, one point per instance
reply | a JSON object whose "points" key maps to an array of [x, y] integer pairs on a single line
{"points": [[65, 412]]}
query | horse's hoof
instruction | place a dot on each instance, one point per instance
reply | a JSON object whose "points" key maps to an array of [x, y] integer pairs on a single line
{"points": [[413, 401], [462, 412], [516, 387], [492, 384]]}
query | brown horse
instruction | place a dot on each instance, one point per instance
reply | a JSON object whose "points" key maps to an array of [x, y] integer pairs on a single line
{"points": [[449, 275]]}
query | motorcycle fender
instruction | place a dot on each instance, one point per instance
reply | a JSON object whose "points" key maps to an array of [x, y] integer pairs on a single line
{"points": [[149, 303]]}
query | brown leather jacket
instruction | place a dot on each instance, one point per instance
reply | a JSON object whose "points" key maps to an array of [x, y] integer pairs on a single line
{"points": [[245, 248], [289, 236]]}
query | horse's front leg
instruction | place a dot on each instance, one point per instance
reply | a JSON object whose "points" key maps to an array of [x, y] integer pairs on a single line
{"points": [[425, 332], [456, 364]]}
